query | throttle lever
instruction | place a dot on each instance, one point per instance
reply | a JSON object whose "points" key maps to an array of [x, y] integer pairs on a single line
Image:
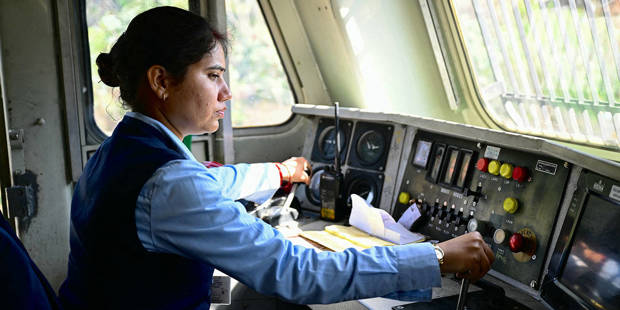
{"points": [[460, 305]]}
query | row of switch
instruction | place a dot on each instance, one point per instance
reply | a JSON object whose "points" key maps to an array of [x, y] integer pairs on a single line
{"points": [[444, 213], [516, 242], [505, 170], [510, 205]]}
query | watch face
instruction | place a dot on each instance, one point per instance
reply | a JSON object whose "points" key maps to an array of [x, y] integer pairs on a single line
{"points": [[439, 253], [370, 147]]}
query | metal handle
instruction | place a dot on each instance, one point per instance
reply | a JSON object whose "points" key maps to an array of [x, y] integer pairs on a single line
{"points": [[460, 305]]}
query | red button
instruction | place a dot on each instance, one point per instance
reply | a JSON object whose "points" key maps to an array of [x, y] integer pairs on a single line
{"points": [[516, 242], [520, 174], [482, 164]]}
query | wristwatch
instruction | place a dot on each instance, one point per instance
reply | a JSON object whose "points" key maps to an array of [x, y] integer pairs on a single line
{"points": [[439, 253]]}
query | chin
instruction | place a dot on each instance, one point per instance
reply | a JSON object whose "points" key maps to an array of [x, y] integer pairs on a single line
{"points": [[214, 128]]}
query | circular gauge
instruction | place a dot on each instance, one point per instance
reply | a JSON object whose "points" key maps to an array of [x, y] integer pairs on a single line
{"points": [[370, 147], [364, 187], [313, 192], [327, 142]]}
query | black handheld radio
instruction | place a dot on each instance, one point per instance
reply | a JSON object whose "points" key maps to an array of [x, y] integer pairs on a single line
{"points": [[331, 181]]}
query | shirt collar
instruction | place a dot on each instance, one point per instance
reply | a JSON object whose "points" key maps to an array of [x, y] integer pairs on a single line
{"points": [[159, 126]]}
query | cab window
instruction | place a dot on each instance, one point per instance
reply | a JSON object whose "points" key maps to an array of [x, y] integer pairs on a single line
{"points": [[261, 93]]}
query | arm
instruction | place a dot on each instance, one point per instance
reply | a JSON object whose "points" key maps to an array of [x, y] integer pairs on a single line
{"points": [[213, 228], [254, 182]]}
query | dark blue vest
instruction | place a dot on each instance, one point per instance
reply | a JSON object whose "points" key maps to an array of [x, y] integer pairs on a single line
{"points": [[108, 266]]}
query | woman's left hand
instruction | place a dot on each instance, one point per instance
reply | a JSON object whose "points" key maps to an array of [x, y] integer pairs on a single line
{"points": [[296, 170]]}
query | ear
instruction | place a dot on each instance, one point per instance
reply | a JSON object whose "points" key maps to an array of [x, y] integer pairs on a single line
{"points": [[158, 80]]}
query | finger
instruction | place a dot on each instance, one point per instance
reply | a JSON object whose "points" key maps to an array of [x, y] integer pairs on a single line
{"points": [[484, 262], [475, 272], [489, 254]]}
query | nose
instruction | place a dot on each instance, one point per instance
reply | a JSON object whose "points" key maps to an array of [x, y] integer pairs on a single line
{"points": [[224, 94]]}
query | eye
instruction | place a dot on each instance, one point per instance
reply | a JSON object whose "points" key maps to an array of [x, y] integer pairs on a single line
{"points": [[213, 76]]}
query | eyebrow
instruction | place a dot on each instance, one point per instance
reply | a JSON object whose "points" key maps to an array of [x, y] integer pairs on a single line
{"points": [[217, 67]]}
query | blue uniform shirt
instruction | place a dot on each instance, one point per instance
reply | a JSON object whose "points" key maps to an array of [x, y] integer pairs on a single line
{"points": [[188, 210]]}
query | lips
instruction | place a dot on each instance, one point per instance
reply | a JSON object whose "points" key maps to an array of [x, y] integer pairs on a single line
{"points": [[220, 113]]}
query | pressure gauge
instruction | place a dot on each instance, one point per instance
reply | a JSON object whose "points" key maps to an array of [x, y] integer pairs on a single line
{"points": [[327, 142], [370, 147]]}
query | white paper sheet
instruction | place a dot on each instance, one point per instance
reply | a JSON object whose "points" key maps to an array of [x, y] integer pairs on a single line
{"points": [[410, 215], [379, 223]]}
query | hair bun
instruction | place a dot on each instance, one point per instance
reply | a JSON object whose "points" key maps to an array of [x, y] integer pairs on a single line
{"points": [[107, 70]]}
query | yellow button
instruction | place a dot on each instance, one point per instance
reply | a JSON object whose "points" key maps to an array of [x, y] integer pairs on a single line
{"points": [[511, 205], [404, 197], [506, 170], [494, 167]]}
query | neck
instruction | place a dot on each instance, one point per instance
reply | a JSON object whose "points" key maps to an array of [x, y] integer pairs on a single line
{"points": [[160, 116]]}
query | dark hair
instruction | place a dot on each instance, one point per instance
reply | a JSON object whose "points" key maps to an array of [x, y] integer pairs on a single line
{"points": [[171, 37]]}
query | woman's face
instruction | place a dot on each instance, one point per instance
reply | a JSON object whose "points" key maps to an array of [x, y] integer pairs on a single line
{"points": [[195, 105]]}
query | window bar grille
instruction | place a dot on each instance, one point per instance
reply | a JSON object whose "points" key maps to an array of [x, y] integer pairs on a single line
{"points": [[526, 49], [516, 48], [513, 42], [559, 67], [560, 21], [539, 47], [488, 43], [502, 46], [582, 50], [598, 52], [570, 54], [614, 46], [574, 125]]}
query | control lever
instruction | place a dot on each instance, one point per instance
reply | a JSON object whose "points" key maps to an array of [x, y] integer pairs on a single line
{"points": [[476, 193], [460, 305]]}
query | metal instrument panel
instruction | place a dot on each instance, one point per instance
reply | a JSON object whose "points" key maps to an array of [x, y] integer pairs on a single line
{"points": [[447, 207]]}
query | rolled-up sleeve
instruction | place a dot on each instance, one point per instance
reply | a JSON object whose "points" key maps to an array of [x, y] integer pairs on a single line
{"points": [[187, 214]]}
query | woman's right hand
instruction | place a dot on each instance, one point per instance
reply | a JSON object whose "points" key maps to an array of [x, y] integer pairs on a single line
{"points": [[468, 256], [296, 170]]}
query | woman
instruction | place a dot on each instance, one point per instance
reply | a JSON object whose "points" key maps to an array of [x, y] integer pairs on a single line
{"points": [[149, 223]]}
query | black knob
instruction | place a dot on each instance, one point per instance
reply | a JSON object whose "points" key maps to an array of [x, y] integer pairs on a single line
{"points": [[451, 214]]}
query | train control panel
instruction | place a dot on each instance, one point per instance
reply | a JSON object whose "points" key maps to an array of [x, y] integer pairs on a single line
{"points": [[523, 194], [511, 197]]}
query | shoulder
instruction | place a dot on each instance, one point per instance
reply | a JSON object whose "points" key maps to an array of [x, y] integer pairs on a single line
{"points": [[184, 175]]}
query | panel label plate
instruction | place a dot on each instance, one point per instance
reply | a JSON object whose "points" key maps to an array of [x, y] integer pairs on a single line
{"points": [[546, 167], [492, 152], [615, 192]]}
